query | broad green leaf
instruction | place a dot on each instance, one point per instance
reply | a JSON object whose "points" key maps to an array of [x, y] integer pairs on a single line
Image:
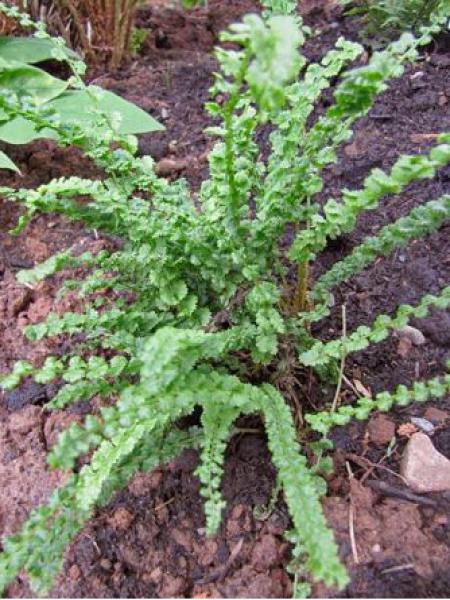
{"points": [[78, 106], [28, 50], [30, 82], [7, 163], [21, 131]]}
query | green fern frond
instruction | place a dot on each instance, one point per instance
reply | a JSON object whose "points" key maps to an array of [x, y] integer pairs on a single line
{"points": [[420, 222], [383, 402], [322, 352], [302, 490], [287, 140], [217, 419], [354, 97], [40, 545], [340, 217]]}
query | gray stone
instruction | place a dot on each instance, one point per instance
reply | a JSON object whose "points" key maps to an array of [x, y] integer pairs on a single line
{"points": [[423, 467], [423, 424]]}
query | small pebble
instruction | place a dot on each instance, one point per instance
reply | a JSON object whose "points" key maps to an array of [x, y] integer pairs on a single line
{"points": [[423, 424], [423, 467]]}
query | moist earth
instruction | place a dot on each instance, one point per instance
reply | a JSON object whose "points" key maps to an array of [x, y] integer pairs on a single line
{"points": [[150, 540]]}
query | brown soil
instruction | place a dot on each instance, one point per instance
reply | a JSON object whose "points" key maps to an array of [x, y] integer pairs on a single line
{"points": [[150, 542]]}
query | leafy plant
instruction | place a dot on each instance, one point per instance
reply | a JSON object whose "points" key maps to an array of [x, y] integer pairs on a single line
{"points": [[192, 3], [58, 99], [137, 39], [194, 309], [101, 31], [386, 18]]}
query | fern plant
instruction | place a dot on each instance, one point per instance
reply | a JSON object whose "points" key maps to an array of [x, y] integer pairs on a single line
{"points": [[387, 18], [194, 301]]}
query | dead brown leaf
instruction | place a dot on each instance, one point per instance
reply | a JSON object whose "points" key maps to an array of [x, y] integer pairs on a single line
{"points": [[407, 430]]}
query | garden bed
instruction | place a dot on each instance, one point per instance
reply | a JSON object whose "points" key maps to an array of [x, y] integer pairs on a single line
{"points": [[150, 542]]}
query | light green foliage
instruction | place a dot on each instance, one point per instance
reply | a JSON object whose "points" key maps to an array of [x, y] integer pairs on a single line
{"points": [[192, 3], [52, 265], [137, 39], [22, 368], [40, 544], [317, 544], [274, 63], [217, 419], [30, 50], [79, 106], [282, 7], [191, 306]]}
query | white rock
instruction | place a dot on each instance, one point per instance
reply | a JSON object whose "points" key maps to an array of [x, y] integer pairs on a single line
{"points": [[413, 334], [423, 467]]}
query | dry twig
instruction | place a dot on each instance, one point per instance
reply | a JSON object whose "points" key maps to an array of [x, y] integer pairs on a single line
{"points": [[351, 519]]}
